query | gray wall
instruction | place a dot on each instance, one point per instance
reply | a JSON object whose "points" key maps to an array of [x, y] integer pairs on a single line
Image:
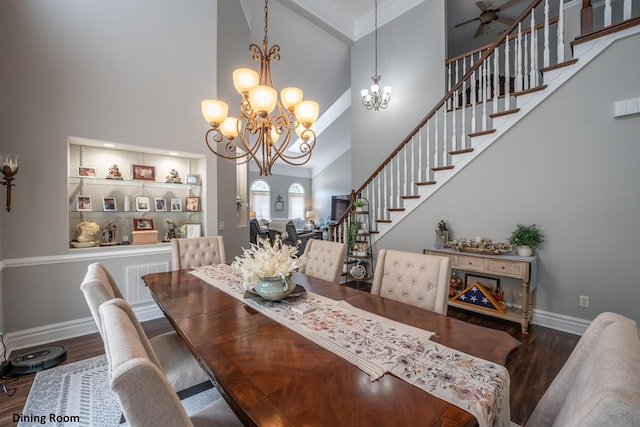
{"points": [[130, 72], [571, 168], [411, 55], [279, 185], [334, 180]]}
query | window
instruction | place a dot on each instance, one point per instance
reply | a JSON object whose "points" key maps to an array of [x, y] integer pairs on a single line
{"points": [[296, 201], [260, 201]]}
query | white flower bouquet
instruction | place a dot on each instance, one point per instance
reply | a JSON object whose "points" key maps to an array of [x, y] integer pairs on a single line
{"points": [[268, 260]]}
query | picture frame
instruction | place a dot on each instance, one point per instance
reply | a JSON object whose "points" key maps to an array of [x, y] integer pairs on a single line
{"points": [[279, 204], [176, 205], [142, 204], [161, 204], [193, 179], [140, 224], [193, 230], [83, 203], [192, 204], [86, 172], [490, 283], [143, 173], [109, 204]]}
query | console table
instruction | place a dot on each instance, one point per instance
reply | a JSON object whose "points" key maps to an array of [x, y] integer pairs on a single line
{"points": [[517, 267]]}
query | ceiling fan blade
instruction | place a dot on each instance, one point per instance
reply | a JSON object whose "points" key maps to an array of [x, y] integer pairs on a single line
{"points": [[466, 22], [478, 31], [505, 20], [506, 5], [482, 6]]}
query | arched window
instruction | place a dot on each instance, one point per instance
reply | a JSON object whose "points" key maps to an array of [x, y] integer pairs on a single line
{"points": [[260, 201], [296, 201]]}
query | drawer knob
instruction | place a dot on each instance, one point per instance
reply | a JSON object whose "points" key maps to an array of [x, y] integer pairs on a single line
{"points": [[502, 267]]}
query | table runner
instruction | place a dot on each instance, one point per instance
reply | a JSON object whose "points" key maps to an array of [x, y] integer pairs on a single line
{"points": [[378, 345]]}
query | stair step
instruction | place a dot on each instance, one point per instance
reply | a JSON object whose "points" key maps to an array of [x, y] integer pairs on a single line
{"points": [[426, 183], [504, 113], [484, 132], [530, 90], [560, 65], [374, 232], [413, 196], [395, 209], [463, 151], [442, 168], [383, 221]]}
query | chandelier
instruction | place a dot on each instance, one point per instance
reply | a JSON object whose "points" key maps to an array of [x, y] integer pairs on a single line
{"points": [[257, 133], [376, 100]]}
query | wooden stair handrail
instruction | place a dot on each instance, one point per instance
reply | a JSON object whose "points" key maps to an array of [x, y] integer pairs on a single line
{"points": [[451, 92]]}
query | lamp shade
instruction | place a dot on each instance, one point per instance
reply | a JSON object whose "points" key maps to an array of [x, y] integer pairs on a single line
{"points": [[229, 127], [252, 214], [10, 161], [307, 112], [290, 96], [311, 214], [214, 111], [244, 79], [263, 99], [301, 128]]}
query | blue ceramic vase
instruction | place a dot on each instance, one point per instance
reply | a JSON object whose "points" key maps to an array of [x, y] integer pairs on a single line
{"points": [[275, 288]]}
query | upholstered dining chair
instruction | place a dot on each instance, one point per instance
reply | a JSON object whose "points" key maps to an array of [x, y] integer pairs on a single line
{"points": [[599, 384], [179, 365], [412, 278], [326, 259], [191, 252], [136, 377]]}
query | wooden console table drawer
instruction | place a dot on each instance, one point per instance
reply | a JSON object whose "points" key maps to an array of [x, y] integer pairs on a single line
{"points": [[505, 267], [471, 263]]}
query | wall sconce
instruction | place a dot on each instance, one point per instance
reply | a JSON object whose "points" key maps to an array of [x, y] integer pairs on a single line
{"points": [[9, 170]]}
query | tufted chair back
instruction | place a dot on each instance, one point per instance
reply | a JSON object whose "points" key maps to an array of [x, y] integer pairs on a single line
{"points": [[99, 286], [412, 278], [326, 259], [196, 251]]}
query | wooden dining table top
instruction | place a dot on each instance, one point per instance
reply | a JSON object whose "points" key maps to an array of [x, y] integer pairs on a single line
{"points": [[272, 376]]}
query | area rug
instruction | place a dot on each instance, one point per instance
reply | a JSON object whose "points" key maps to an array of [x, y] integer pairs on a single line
{"points": [[78, 394]]}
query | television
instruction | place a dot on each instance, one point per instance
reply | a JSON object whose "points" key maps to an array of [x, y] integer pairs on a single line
{"points": [[339, 204]]}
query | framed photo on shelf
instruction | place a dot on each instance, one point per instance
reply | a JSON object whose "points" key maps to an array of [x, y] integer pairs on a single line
{"points": [[109, 204], [142, 224], [142, 204], [83, 203], [176, 205], [193, 230], [193, 179], [193, 204], [143, 173], [86, 172], [489, 283], [161, 204]]}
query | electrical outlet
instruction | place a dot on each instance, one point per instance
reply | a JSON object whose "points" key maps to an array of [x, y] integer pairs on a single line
{"points": [[221, 226], [584, 301]]}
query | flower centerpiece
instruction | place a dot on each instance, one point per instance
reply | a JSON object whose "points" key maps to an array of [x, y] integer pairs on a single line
{"points": [[87, 231], [267, 267], [241, 203]]}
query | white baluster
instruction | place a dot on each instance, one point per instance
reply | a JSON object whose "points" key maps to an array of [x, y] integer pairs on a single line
{"points": [[496, 79], [607, 13], [473, 97], [406, 175], [385, 210], [463, 109], [533, 72], [560, 41], [449, 66], [507, 76], [518, 60], [454, 140], [399, 190], [391, 198], [545, 57], [485, 94], [626, 10], [525, 65], [436, 142], [413, 164], [420, 172], [445, 142], [428, 159]]}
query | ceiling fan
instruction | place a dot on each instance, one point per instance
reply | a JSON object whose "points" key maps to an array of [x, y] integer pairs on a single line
{"points": [[489, 14]]}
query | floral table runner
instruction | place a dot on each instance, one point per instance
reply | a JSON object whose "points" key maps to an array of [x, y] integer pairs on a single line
{"points": [[378, 345]]}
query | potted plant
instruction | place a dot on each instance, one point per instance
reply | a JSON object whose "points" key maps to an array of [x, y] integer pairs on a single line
{"points": [[526, 238], [352, 230], [359, 205]]}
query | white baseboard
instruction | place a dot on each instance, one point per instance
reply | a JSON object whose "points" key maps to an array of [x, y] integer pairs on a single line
{"points": [[560, 322], [69, 329]]}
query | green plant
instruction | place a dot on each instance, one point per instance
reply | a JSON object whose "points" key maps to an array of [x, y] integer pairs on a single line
{"points": [[359, 203], [526, 235], [352, 230]]}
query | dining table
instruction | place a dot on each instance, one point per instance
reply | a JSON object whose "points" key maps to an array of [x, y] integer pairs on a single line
{"points": [[273, 376]]}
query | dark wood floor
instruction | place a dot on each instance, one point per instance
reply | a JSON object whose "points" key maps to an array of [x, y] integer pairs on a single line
{"points": [[532, 366]]}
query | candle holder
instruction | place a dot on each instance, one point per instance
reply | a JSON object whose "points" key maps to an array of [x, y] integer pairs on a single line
{"points": [[9, 170]]}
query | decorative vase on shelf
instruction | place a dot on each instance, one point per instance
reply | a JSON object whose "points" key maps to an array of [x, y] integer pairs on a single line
{"points": [[524, 250], [275, 288]]}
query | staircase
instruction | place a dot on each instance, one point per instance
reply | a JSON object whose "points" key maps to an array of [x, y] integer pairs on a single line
{"points": [[489, 90]]}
